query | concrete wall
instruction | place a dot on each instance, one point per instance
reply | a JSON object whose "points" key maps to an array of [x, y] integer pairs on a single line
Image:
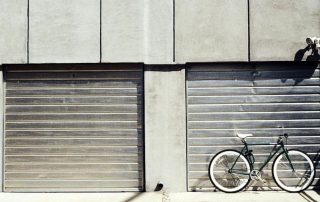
{"points": [[211, 30], [64, 31], [137, 31], [159, 42], [122, 30], [13, 31], [278, 29], [165, 128], [1, 129], [156, 32]]}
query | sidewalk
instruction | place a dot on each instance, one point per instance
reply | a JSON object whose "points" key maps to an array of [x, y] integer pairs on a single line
{"points": [[270, 196]]}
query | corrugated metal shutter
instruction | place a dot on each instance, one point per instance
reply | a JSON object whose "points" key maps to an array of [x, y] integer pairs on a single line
{"points": [[74, 128], [227, 98]]}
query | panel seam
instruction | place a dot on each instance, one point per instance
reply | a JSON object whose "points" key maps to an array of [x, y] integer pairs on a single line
{"points": [[174, 32], [249, 49], [100, 32], [28, 31]]}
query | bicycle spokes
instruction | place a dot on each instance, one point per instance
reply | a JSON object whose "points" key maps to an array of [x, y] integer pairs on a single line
{"points": [[294, 171], [227, 170]]}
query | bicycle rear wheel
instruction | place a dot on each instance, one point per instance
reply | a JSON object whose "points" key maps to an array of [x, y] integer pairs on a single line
{"points": [[221, 175], [297, 177]]}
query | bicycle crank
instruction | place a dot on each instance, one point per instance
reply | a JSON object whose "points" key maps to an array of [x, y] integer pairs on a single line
{"points": [[255, 175]]}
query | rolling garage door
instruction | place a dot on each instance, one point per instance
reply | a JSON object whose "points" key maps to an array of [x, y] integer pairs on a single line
{"points": [[73, 128], [266, 100]]}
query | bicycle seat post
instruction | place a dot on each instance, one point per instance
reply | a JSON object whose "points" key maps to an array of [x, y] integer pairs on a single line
{"points": [[244, 136], [243, 140]]}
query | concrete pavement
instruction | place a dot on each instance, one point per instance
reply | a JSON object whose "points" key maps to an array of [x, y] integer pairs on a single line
{"points": [[274, 196]]}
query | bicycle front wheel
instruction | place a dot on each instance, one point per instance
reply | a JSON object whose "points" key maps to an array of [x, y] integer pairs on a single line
{"points": [[229, 171], [295, 176]]}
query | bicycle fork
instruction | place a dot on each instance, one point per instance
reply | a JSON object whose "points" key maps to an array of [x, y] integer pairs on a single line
{"points": [[287, 156]]}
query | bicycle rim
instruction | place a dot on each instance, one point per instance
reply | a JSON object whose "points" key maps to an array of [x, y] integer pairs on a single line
{"points": [[297, 179], [229, 181]]}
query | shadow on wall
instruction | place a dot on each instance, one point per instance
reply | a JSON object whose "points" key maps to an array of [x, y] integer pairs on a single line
{"points": [[297, 71], [314, 56], [316, 165]]}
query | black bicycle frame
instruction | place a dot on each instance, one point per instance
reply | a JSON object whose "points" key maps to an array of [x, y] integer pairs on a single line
{"points": [[246, 152]]}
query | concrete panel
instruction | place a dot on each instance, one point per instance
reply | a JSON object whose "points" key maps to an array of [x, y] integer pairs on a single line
{"points": [[165, 128], [64, 31], [122, 30], [278, 29], [158, 31], [211, 30], [137, 31], [13, 31], [1, 130]]}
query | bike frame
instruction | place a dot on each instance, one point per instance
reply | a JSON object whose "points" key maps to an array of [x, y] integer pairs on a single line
{"points": [[245, 152]]}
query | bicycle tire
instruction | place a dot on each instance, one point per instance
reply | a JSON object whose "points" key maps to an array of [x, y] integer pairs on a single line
{"points": [[295, 180], [221, 178]]}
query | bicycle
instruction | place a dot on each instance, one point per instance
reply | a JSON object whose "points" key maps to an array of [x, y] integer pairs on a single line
{"points": [[231, 171]]}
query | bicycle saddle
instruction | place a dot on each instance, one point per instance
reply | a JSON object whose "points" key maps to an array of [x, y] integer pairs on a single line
{"points": [[244, 135]]}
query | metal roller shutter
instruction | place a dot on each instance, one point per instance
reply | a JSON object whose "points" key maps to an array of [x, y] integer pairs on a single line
{"points": [[227, 98], [74, 128]]}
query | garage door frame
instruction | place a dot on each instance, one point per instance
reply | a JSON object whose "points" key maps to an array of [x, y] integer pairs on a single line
{"points": [[73, 67], [202, 185]]}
